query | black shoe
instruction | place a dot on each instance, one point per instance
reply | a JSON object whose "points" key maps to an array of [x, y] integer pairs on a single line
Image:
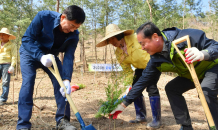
{"points": [[185, 127], [138, 121], [24, 129], [65, 125]]}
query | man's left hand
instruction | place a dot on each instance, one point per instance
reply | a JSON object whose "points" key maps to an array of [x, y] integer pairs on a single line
{"points": [[11, 69], [68, 87], [193, 54]]}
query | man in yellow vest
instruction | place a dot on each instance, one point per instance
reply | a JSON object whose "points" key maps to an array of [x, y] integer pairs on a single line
{"points": [[164, 58], [129, 52], [8, 58]]}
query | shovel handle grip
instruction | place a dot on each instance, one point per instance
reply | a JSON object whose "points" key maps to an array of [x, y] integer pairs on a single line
{"points": [[195, 79], [180, 40], [56, 73]]}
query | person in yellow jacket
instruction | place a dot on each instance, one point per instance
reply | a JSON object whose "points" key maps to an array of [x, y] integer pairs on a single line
{"points": [[128, 52], [8, 53]]}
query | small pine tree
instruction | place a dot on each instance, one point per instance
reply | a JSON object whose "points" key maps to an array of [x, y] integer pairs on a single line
{"points": [[114, 90], [113, 93]]}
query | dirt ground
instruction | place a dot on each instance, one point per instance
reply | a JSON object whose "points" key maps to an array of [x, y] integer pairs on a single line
{"points": [[87, 100]]}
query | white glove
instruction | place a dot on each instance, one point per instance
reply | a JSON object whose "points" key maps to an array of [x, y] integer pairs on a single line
{"points": [[117, 111], [193, 54], [129, 87], [68, 87], [46, 60], [11, 69]]}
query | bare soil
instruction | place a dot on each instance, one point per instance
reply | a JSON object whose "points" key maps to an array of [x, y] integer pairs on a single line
{"points": [[87, 100]]}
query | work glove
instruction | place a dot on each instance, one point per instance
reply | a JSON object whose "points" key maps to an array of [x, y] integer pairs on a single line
{"points": [[68, 87], [46, 60], [74, 87], [117, 111], [129, 87], [193, 54], [11, 69]]}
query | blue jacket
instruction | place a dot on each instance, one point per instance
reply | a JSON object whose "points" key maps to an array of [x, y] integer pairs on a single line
{"points": [[151, 74], [39, 39]]}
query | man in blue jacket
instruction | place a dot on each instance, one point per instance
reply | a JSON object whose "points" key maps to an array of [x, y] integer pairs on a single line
{"points": [[48, 34], [164, 58]]}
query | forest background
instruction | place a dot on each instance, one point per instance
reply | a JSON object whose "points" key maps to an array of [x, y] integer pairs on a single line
{"points": [[16, 15]]}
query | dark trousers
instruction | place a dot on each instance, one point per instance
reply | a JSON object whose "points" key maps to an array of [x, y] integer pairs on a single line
{"points": [[152, 90], [176, 87], [25, 103]]}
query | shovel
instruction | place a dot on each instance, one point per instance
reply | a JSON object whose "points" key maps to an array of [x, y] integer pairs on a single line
{"points": [[56, 73], [195, 80]]}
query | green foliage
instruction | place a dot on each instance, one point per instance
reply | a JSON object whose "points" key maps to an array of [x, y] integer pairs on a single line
{"points": [[47, 5], [214, 6], [81, 86], [131, 14], [113, 92], [213, 128], [128, 80], [16, 15]]}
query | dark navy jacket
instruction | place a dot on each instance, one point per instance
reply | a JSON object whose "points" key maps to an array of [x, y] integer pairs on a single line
{"points": [[151, 74], [39, 39]]}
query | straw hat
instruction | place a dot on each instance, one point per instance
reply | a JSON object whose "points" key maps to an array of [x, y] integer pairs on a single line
{"points": [[6, 31], [112, 30]]}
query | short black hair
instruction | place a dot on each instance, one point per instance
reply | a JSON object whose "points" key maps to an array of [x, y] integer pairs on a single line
{"points": [[74, 12], [119, 36], [148, 29]]}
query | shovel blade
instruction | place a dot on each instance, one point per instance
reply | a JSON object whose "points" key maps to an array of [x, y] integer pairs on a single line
{"points": [[90, 127]]}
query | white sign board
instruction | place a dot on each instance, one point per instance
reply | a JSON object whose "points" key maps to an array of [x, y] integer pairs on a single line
{"points": [[106, 67]]}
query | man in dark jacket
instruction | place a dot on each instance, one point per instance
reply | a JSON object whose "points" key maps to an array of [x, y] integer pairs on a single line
{"points": [[164, 58], [48, 34]]}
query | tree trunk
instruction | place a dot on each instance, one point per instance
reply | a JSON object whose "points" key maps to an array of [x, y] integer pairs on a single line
{"points": [[81, 50], [184, 16], [94, 24], [107, 19], [61, 56], [105, 58], [95, 42], [84, 59], [135, 19], [58, 2], [215, 32], [17, 53], [150, 10], [212, 27]]}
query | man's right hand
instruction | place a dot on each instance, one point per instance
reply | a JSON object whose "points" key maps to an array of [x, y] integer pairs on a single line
{"points": [[118, 110], [46, 60], [193, 54]]}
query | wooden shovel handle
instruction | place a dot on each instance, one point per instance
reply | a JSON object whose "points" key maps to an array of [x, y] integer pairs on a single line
{"points": [[56, 73], [195, 79]]}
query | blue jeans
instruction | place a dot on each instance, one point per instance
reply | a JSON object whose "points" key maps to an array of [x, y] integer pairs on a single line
{"points": [[5, 81], [25, 103]]}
